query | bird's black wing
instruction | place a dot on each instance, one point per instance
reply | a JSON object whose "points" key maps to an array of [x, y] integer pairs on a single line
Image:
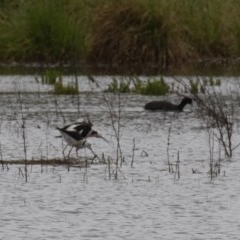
{"points": [[73, 134], [83, 129]]}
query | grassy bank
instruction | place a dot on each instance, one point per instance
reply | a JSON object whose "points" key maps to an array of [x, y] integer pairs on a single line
{"points": [[163, 33]]}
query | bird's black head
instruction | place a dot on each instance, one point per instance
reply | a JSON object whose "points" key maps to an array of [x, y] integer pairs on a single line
{"points": [[97, 135], [187, 100], [94, 134]]}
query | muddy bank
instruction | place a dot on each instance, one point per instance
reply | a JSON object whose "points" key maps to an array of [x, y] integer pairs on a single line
{"points": [[213, 66]]}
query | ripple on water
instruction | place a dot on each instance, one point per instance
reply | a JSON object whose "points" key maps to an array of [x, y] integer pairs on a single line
{"points": [[146, 202]]}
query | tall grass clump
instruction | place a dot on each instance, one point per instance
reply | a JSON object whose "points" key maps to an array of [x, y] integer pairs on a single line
{"points": [[209, 27], [41, 31], [165, 32], [7, 7], [132, 32]]}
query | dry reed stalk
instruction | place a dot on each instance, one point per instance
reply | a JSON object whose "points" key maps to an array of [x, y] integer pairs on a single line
{"points": [[1, 156], [177, 171], [211, 153], [168, 144], [146, 35], [219, 116], [75, 70], [23, 129], [115, 118], [133, 152], [57, 109], [216, 112], [109, 169]]}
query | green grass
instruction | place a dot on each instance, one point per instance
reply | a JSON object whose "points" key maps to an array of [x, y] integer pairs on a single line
{"points": [[158, 87], [51, 77], [134, 32], [155, 87], [41, 32], [135, 85], [54, 77], [119, 86], [69, 89]]}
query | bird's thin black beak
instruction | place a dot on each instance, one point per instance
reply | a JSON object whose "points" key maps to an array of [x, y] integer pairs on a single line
{"points": [[100, 136]]}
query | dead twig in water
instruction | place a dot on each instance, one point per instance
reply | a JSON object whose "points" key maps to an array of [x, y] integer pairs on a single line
{"points": [[133, 152]]}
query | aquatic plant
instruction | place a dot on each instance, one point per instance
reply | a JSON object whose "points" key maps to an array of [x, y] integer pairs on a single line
{"points": [[135, 85], [200, 85], [68, 89], [193, 87], [214, 110], [54, 77], [214, 82], [218, 115], [23, 131], [114, 106], [155, 87], [214, 166], [51, 77], [121, 86]]}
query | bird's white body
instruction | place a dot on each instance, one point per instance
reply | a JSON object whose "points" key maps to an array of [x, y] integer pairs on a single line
{"points": [[78, 144], [75, 135]]}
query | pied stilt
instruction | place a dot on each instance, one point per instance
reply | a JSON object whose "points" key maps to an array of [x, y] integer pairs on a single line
{"points": [[74, 139], [75, 135]]}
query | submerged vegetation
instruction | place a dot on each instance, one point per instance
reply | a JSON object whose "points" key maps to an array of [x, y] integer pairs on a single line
{"points": [[51, 77], [159, 87], [155, 87], [199, 86], [54, 77], [119, 33], [135, 85], [69, 89]]}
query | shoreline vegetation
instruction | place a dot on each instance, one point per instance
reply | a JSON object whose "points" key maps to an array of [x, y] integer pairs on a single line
{"points": [[127, 37]]}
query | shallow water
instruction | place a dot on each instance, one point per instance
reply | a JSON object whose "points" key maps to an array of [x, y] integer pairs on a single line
{"points": [[146, 202]]}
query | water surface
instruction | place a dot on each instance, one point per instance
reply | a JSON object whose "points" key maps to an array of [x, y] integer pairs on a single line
{"points": [[145, 202]]}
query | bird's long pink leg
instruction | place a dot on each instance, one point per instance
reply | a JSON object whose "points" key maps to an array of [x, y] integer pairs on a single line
{"points": [[95, 155], [63, 152], [77, 152], [70, 151]]}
